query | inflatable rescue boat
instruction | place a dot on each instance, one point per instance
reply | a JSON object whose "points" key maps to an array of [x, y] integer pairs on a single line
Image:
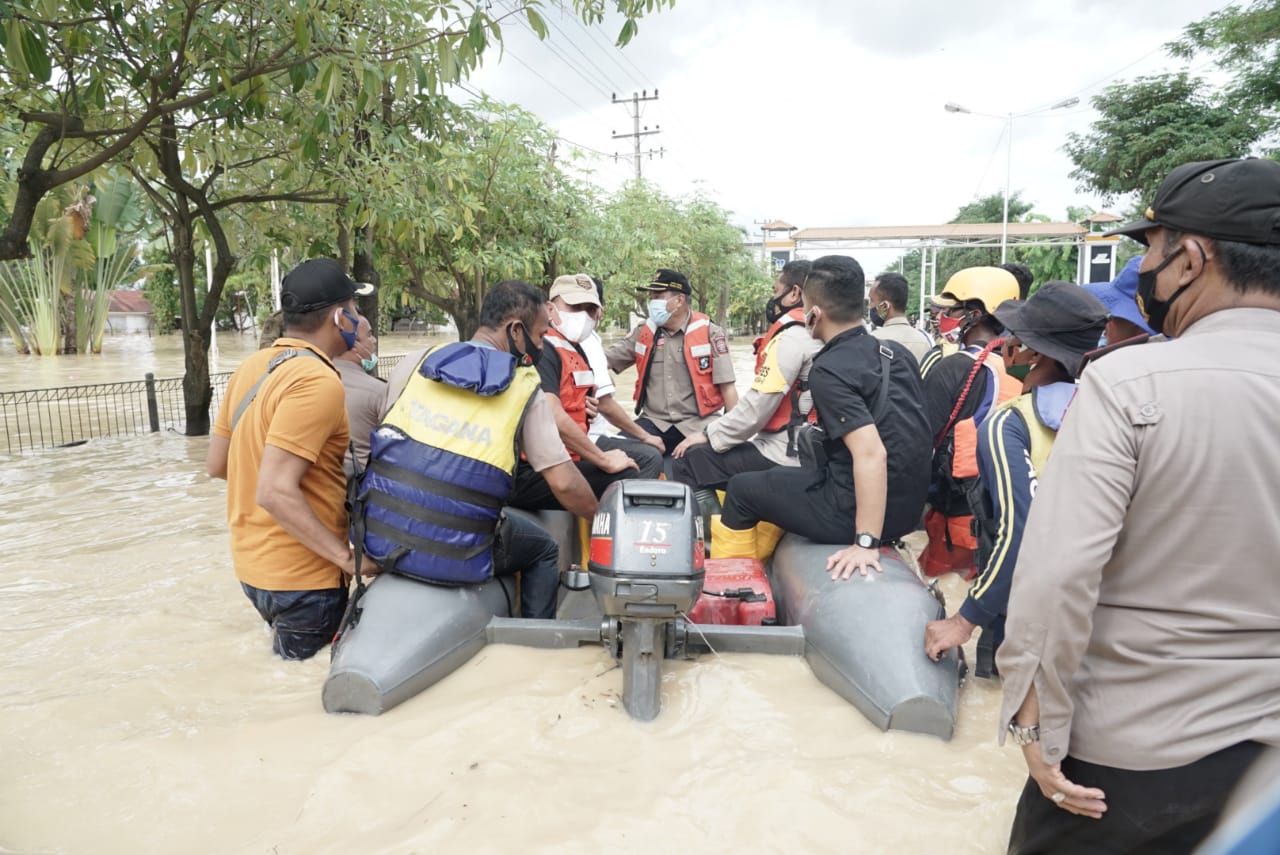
{"points": [[650, 594]]}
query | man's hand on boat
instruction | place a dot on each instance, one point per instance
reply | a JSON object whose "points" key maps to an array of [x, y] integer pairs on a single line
{"points": [[942, 635], [368, 567], [843, 564]]}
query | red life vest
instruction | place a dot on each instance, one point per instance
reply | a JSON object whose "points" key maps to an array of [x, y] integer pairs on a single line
{"points": [[782, 416], [577, 380], [697, 358]]}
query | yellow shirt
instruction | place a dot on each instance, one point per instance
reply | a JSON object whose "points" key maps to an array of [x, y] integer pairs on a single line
{"points": [[300, 409]]}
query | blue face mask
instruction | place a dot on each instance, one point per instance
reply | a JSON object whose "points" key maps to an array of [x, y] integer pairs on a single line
{"points": [[1102, 340], [369, 364], [349, 337], [658, 312]]}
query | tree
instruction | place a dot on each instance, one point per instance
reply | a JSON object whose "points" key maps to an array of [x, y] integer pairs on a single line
{"points": [[476, 199], [1153, 124], [189, 79], [1245, 42], [644, 229]]}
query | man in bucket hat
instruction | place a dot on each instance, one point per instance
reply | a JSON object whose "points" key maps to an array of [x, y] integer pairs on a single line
{"points": [[1120, 297], [1049, 335], [1141, 663]]}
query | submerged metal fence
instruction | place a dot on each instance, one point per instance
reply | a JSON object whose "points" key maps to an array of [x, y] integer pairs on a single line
{"points": [[71, 415]]}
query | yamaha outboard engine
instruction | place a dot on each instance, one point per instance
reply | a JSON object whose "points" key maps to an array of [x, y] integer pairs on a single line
{"points": [[646, 566]]}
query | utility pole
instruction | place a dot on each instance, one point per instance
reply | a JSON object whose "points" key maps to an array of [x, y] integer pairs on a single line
{"points": [[636, 132]]}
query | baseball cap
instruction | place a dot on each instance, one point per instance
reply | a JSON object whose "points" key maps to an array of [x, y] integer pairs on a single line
{"points": [[668, 280], [317, 283], [1120, 295], [1234, 200], [1060, 320], [575, 289]]}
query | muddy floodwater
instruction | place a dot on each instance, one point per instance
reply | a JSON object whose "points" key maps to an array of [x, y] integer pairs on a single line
{"points": [[143, 711]]}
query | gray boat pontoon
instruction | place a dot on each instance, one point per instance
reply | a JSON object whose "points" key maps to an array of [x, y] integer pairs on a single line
{"points": [[863, 637]]}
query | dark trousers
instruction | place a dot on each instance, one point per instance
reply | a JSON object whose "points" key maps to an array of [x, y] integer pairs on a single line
{"points": [[800, 500], [532, 493], [1153, 813], [704, 468], [670, 437], [521, 546], [302, 622]]}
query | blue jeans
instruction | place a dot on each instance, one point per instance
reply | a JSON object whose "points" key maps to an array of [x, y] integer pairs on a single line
{"points": [[302, 622], [523, 546]]}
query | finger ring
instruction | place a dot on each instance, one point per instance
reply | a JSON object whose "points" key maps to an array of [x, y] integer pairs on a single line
{"points": [[1059, 798]]}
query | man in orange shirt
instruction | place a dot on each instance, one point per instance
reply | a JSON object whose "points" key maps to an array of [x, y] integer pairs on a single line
{"points": [[279, 441]]}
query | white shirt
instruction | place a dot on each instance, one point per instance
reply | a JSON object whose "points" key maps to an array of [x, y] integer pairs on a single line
{"points": [[594, 349]]}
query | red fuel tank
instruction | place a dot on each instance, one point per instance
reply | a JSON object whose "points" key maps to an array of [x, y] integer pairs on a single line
{"points": [[735, 592]]}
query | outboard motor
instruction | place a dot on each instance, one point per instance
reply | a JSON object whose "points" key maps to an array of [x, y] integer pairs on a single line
{"points": [[646, 571]]}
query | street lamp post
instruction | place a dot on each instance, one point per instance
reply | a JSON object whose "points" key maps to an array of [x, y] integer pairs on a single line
{"points": [[952, 107]]}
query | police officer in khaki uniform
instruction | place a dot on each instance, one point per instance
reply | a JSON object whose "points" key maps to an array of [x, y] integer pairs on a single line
{"points": [[685, 375]]}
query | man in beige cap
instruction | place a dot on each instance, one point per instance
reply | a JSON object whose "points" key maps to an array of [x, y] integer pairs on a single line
{"points": [[570, 384]]}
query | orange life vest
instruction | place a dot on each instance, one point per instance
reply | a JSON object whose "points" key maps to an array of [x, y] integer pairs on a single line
{"points": [[782, 416], [1000, 388], [577, 380], [697, 358]]}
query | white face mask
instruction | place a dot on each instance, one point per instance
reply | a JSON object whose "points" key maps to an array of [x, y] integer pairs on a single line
{"points": [[575, 326]]}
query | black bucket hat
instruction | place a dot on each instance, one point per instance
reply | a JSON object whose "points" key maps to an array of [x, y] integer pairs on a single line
{"points": [[1061, 321]]}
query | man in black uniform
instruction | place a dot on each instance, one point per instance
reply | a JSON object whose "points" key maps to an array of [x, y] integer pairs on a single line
{"points": [[873, 484]]}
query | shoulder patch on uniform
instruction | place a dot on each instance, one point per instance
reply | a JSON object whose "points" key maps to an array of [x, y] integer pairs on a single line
{"points": [[721, 343]]}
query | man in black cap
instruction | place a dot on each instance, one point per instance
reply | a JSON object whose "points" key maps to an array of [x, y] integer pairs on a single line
{"points": [[1142, 660], [1049, 336], [684, 372], [279, 441]]}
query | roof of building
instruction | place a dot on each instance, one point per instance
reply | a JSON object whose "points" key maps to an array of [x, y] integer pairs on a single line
{"points": [[948, 230], [1103, 217], [129, 303], [778, 226]]}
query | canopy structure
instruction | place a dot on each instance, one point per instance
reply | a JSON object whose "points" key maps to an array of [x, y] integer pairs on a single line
{"points": [[809, 241], [814, 243]]}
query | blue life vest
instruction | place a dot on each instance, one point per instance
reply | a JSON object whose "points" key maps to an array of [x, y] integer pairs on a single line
{"points": [[442, 464]]}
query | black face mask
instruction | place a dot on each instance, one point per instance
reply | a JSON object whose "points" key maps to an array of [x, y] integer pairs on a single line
{"points": [[877, 319], [774, 308], [1156, 311], [531, 351]]}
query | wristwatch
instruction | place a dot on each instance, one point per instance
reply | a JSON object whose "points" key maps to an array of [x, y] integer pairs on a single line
{"points": [[866, 540], [1024, 736]]}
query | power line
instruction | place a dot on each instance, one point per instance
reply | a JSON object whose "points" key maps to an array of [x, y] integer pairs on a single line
{"points": [[537, 74], [994, 149], [609, 49], [603, 75], [620, 52], [574, 67]]}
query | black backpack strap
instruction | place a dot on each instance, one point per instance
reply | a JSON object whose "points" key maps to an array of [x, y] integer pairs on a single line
{"points": [[882, 397]]}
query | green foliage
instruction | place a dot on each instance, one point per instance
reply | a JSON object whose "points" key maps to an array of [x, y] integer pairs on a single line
{"points": [[1153, 124], [161, 289], [99, 79], [644, 229], [1244, 41]]}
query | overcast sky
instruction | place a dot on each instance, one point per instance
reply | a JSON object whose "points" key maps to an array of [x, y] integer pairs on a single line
{"points": [[830, 113]]}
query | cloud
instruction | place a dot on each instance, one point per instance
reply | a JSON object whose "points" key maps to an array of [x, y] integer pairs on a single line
{"points": [[830, 113]]}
